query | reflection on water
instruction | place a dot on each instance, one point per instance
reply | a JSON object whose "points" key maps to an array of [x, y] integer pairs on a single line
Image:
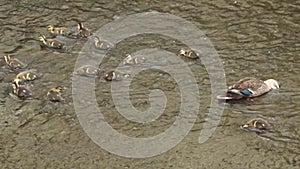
{"points": [[252, 38]]}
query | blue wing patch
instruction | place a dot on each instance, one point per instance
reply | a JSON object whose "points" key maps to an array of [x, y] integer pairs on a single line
{"points": [[246, 92]]}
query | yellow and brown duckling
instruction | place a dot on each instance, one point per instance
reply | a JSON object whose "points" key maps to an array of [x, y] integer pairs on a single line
{"points": [[86, 70], [188, 53], [60, 30], [102, 44], [54, 94], [14, 63], [28, 75], [114, 75], [129, 60], [51, 43], [83, 32], [257, 125], [20, 90]]}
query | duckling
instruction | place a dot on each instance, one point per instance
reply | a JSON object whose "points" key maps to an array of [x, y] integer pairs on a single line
{"points": [[188, 53], [51, 43], [129, 60], [13, 62], [54, 94], [86, 70], [113, 75], [60, 30], [83, 32], [28, 75], [20, 90], [102, 44], [258, 125]]}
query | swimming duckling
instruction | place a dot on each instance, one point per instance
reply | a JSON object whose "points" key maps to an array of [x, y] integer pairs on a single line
{"points": [[83, 32], [87, 70], [28, 75], [102, 44], [60, 30], [20, 90], [129, 60], [188, 53], [54, 94], [249, 88], [113, 75], [258, 125], [13, 62], [51, 43]]}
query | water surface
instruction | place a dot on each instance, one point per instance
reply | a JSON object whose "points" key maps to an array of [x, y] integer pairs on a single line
{"points": [[258, 39]]}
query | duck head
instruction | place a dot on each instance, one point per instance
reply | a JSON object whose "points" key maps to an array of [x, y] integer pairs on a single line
{"points": [[272, 84]]}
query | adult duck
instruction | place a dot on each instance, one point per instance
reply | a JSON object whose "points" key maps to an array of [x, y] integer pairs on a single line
{"points": [[249, 87]]}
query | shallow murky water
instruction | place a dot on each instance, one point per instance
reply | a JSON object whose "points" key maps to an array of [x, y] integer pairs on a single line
{"points": [[258, 39]]}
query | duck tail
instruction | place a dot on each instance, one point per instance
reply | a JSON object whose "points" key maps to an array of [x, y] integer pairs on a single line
{"points": [[232, 94]]}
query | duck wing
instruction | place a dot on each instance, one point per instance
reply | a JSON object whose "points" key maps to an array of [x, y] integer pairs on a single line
{"points": [[249, 87], [247, 83]]}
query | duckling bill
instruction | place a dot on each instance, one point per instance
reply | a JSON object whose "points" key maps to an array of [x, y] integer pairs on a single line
{"points": [[54, 94], [51, 43]]}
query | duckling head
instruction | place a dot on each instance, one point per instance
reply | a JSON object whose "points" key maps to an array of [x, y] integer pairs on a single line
{"points": [[6, 58], [17, 82], [23, 92], [15, 87], [128, 59], [96, 39], [50, 27], [182, 52], [42, 38], [128, 56], [58, 89], [272, 84]]}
